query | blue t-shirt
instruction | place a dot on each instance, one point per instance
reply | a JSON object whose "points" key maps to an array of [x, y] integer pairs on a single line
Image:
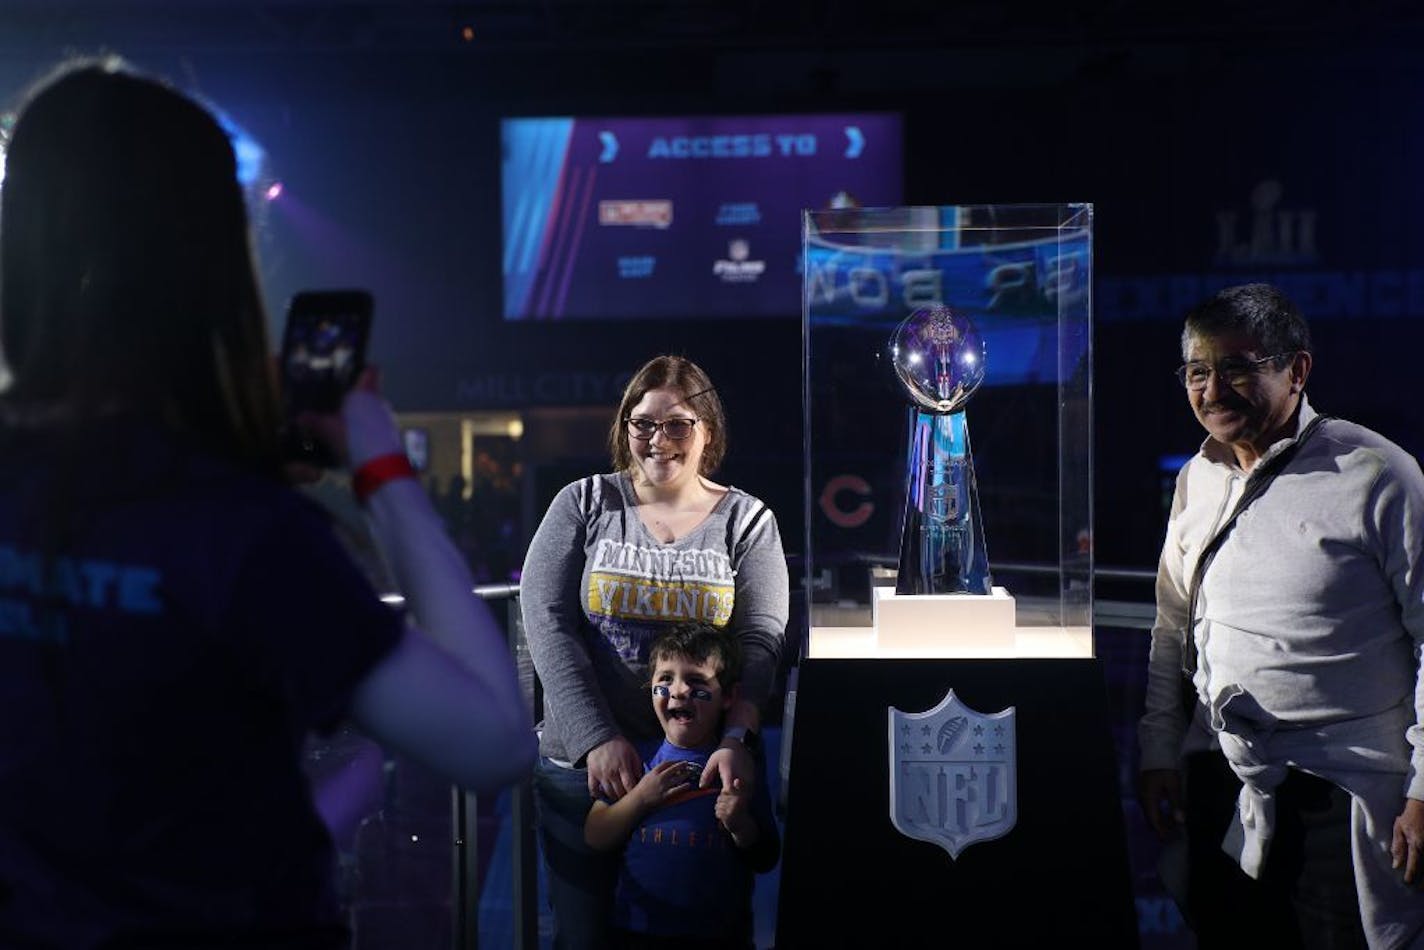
{"points": [[682, 874], [167, 638]]}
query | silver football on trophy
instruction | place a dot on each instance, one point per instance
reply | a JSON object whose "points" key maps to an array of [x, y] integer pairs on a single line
{"points": [[939, 356]]}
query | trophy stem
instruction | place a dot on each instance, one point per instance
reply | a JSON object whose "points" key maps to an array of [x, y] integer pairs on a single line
{"points": [[942, 545]]}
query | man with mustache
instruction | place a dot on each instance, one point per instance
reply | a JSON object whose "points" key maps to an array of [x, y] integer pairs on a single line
{"points": [[1281, 744]]}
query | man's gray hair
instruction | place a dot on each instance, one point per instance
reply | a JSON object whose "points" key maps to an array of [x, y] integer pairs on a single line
{"points": [[1260, 311]]}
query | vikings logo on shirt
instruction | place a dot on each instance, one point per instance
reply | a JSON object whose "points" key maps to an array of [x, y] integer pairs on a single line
{"points": [[630, 582]]}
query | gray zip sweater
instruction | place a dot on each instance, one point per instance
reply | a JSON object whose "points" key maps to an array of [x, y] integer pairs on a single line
{"points": [[598, 588], [1308, 631]]}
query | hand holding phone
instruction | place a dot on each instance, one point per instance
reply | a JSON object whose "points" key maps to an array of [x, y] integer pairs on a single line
{"points": [[323, 353]]}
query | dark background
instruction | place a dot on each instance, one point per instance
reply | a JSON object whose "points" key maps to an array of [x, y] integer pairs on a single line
{"points": [[381, 120]]}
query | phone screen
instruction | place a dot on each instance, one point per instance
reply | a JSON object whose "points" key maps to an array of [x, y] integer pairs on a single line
{"points": [[324, 348], [417, 447]]}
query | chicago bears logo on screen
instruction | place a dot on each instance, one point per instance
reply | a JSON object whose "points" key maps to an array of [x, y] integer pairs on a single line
{"points": [[953, 774]]}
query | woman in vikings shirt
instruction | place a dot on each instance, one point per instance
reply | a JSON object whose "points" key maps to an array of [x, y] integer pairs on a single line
{"points": [[617, 559]]}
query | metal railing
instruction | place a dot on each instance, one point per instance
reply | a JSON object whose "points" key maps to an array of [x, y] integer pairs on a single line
{"points": [[464, 811]]}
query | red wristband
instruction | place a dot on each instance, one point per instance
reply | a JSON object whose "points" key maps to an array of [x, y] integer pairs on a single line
{"points": [[376, 472]]}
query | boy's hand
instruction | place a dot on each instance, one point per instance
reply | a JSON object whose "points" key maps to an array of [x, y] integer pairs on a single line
{"points": [[733, 811], [608, 825], [660, 783]]}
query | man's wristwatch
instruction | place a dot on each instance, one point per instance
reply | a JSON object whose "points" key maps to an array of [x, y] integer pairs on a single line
{"points": [[745, 736]]}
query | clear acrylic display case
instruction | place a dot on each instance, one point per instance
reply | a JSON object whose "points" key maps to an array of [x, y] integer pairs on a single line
{"points": [[1023, 275]]}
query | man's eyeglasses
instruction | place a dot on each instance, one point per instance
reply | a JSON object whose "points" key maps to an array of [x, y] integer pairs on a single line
{"points": [[676, 429], [1234, 370]]}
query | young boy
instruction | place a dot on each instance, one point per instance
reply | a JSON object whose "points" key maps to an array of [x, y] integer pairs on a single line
{"points": [[689, 854]]}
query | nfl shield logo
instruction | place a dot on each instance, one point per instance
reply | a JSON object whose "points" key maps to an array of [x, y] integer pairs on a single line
{"points": [[953, 774]]}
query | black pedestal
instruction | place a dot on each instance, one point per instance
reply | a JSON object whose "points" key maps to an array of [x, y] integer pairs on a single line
{"points": [[1059, 878]]}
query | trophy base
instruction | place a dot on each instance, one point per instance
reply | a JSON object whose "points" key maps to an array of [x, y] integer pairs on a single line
{"points": [[973, 624], [943, 626], [861, 643]]}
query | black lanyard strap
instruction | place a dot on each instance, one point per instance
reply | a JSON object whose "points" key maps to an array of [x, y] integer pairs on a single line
{"points": [[1256, 486]]}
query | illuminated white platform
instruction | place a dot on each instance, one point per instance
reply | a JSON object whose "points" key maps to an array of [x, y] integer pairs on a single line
{"points": [[946, 626]]}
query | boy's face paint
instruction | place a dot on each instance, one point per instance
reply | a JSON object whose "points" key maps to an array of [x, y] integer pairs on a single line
{"points": [[688, 700], [699, 693]]}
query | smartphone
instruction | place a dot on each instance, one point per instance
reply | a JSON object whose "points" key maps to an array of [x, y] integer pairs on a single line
{"points": [[417, 447], [323, 353], [324, 348]]}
